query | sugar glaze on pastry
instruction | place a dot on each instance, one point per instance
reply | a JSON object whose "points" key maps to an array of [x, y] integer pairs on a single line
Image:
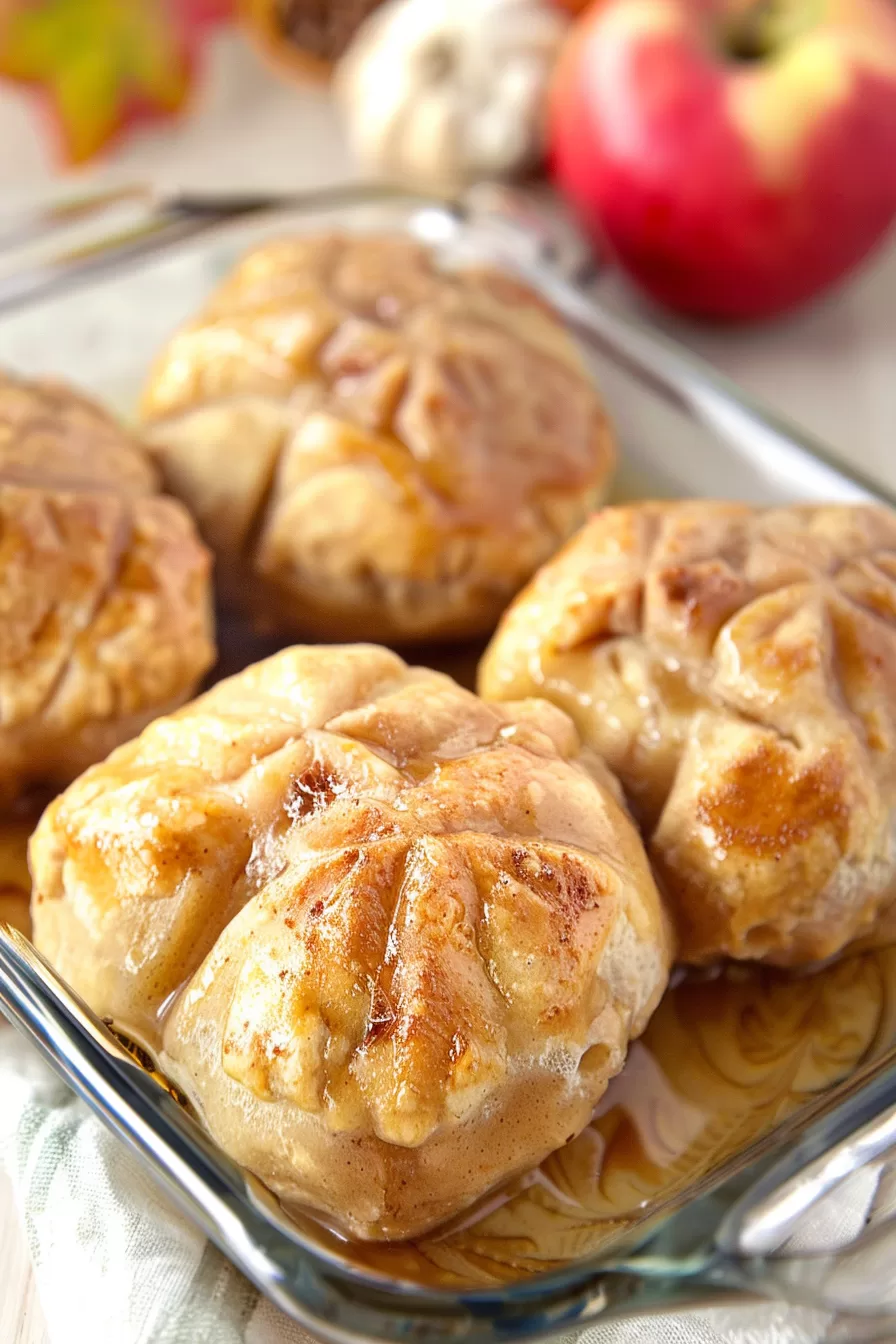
{"points": [[736, 668], [392, 941], [105, 608], [376, 447]]}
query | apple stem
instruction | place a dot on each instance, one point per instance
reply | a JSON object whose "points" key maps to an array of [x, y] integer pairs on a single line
{"points": [[764, 27]]}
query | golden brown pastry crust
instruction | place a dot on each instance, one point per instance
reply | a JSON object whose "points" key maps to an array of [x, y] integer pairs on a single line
{"points": [[736, 667], [50, 433], [105, 614], [375, 447], [429, 930]]}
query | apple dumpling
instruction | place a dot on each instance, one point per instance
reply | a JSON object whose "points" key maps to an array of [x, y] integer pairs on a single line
{"points": [[736, 668], [391, 941], [105, 616], [376, 447]]}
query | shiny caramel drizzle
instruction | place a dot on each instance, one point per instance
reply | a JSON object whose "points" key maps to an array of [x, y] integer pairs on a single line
{"points": [[15, 881], [725, 1059]]}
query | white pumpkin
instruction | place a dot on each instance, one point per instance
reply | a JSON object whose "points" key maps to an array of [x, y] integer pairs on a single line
{"points": [[440, 93]]}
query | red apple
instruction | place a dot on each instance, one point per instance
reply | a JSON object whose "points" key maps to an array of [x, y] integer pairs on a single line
{"points": [[736, 158]]}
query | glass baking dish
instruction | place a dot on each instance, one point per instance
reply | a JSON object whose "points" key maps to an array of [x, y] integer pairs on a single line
{"points": [[752, 1094]]}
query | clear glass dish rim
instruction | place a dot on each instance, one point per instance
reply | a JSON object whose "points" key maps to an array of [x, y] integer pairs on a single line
{"points": [[816, 1112]]}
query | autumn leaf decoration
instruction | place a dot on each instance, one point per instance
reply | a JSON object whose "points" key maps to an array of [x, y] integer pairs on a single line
{"points": [[102, 66]]}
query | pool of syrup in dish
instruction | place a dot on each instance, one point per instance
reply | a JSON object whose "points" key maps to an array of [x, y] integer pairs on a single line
{"points": [[725, 1058], [15, 882]]}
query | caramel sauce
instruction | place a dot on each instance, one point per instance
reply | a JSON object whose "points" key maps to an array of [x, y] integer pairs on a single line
{"points": [[15, 880], [728, 1056], [765, 806], [725, 1059], [140, 1055]]}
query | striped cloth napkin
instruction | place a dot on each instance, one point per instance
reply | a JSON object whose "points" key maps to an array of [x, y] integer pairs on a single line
{"points": [[117, 1264]]}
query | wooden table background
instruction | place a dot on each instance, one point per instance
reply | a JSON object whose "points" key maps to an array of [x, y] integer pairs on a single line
{"points": [[832, 368]]}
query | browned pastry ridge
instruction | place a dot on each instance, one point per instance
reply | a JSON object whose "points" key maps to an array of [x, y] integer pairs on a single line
{"points": [[736, 668], [104, 589], [390, 940], [376, 448]]}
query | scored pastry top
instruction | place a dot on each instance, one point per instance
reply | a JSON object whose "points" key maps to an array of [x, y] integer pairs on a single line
{"points": [[104, 588], [736, 667], [391, 446], [52, 437], [349, 890]]}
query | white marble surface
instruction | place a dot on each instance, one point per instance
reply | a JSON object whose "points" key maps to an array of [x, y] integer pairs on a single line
{"points": [[831, 368]]}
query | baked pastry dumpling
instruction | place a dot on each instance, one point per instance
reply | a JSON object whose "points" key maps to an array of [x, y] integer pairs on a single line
{"points": [[105, 617], [374, 446], [393, 941], [736, 667]]}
